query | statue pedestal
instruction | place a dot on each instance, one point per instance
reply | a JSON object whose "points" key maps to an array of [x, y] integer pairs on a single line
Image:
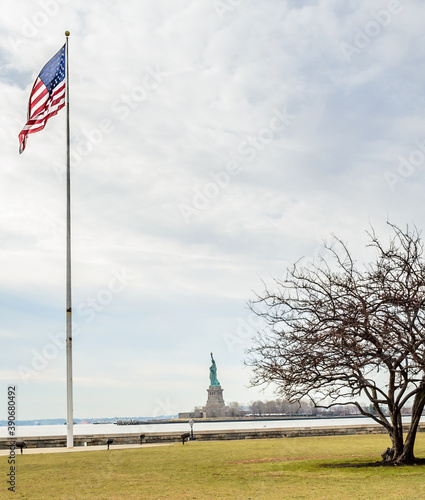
{"points": [[215, 406]]}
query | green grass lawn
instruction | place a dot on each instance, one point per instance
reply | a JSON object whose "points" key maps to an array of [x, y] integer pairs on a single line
{"points": [[249, 469]]}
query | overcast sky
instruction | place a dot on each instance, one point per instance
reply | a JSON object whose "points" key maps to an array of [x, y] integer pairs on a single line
{"points": [[213, 143]]}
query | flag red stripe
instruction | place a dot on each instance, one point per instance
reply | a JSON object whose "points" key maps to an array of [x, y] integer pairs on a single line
{"points": [[38, 92], [38, 123], [56, 103], [40, 104]]}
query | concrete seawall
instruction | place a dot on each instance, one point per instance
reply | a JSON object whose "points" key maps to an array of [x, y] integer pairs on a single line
{"points": [[164, 437]]}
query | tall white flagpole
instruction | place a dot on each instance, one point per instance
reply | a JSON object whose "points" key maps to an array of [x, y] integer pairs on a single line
{"points": [[69, 395]]}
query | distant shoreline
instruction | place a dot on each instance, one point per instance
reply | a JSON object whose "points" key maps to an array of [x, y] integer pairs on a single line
{"points": [[235, 419]]}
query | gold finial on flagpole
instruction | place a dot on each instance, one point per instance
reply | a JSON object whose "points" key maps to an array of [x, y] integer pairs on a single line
{"points": [[67, 33]]}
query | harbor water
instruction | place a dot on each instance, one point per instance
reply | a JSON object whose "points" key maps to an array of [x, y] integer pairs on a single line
{"points": [[87, 429]]}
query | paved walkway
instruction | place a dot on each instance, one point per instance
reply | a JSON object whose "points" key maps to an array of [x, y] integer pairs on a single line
{"points": [[32, 451]]}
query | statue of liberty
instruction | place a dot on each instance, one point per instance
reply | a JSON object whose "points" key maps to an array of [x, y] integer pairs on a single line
{"points": [[213, 374]]}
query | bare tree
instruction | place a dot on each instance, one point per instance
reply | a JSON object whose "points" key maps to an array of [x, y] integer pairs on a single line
{"points": [[234, 409], [257, 408], [337, 333]]}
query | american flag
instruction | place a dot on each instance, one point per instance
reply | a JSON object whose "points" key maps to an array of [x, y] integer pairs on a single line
{"points": [[47, 97]]}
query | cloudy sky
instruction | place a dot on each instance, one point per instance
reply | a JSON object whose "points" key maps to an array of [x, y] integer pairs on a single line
{"points": [[213, 142]]}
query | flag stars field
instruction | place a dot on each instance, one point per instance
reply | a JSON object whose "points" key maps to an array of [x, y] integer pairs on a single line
{"points": [[54, 71]]}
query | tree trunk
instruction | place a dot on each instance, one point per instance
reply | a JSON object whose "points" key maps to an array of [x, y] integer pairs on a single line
{"points": [[407, 456], [396, 435]]}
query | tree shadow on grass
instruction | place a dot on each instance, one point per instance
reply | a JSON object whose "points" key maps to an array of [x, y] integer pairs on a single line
{"points": [[418, 461]]}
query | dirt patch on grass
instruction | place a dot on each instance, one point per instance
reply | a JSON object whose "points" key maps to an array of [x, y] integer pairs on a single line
{"points": [[282, 459], [418, 461], [260, 460]]}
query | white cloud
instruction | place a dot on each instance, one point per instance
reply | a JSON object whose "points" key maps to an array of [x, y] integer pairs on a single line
{"points": [[141, 151]]}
